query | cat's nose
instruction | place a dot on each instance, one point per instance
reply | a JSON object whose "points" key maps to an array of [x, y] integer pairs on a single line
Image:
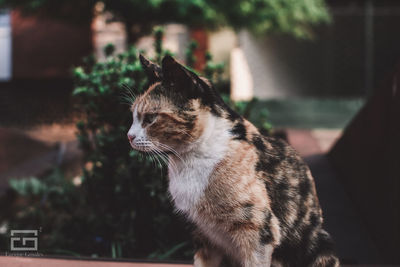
{"points": [[131, 137]]}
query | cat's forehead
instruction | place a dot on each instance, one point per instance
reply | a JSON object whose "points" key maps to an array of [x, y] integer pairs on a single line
{"points": [[152, 101], [143, 105]]}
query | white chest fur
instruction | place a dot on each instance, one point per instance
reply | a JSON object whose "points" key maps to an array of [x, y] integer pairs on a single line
{"points": [[189, 177]]}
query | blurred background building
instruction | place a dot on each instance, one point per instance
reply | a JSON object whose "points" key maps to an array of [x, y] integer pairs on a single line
{"points": [[348, 58]]}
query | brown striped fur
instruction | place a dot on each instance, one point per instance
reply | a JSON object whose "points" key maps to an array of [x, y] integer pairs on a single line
{"points": [[251, 197]]}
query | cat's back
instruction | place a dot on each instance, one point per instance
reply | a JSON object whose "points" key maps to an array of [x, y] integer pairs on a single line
{"points": [[264, 170], [288, 181]]}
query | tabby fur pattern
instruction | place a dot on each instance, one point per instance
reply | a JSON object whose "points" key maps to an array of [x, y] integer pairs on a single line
{"points": [[251, 197]]}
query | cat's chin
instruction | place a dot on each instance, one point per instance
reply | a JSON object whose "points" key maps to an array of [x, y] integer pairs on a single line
{"points": [[148, 149], [141, 148]]}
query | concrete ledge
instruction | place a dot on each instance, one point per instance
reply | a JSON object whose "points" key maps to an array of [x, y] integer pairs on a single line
{"points": [[7, 261]]}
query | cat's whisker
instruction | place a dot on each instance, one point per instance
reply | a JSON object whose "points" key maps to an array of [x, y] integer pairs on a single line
{"points": [[170, 149], [161, 156], [155, 160], [126, 92], [126, 87], [168, 161], [128, 95], [159, 163], [126, 98], [149, 156], [126, 101], [173, 163]]}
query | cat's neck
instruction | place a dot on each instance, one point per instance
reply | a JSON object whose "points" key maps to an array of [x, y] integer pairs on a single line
{"points": [[213, 141], [189, 173]]}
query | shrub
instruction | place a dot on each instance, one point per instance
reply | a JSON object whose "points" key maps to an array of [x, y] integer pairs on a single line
{"points": [[292, 17]]}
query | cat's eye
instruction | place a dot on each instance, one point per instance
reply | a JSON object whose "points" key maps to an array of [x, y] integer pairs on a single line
{"points": [[149, 118]]}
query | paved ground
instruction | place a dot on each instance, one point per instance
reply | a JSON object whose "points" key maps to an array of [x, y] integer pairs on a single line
{"points": [[42, 262], [25, 153]]}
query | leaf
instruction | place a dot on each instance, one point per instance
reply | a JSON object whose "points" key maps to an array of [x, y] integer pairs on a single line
{"points": [[79, 90], [168, 253]]}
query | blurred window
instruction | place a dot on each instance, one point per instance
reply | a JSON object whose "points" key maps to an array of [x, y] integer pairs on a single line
{"points": [[5, 45]]}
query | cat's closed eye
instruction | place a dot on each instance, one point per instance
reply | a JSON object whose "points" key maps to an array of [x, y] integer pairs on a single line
{"points": [[149, 118]]}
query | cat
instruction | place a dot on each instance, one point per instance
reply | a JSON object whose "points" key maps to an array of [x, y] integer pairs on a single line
{"points": [[251, 197]]}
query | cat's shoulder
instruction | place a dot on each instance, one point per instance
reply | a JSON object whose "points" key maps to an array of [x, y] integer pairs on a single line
{"points": [[273, 150]]}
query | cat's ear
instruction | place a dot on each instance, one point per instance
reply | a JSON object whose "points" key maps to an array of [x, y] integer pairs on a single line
{"points": [[152, 70], [177, 76]]}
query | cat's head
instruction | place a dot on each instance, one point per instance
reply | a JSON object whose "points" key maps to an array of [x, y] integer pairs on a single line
{"points": [[172, 114]]}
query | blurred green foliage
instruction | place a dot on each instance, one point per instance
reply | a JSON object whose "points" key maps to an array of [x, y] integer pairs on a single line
{"points": [[119, 207], [292, 17], [70, 10]]}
